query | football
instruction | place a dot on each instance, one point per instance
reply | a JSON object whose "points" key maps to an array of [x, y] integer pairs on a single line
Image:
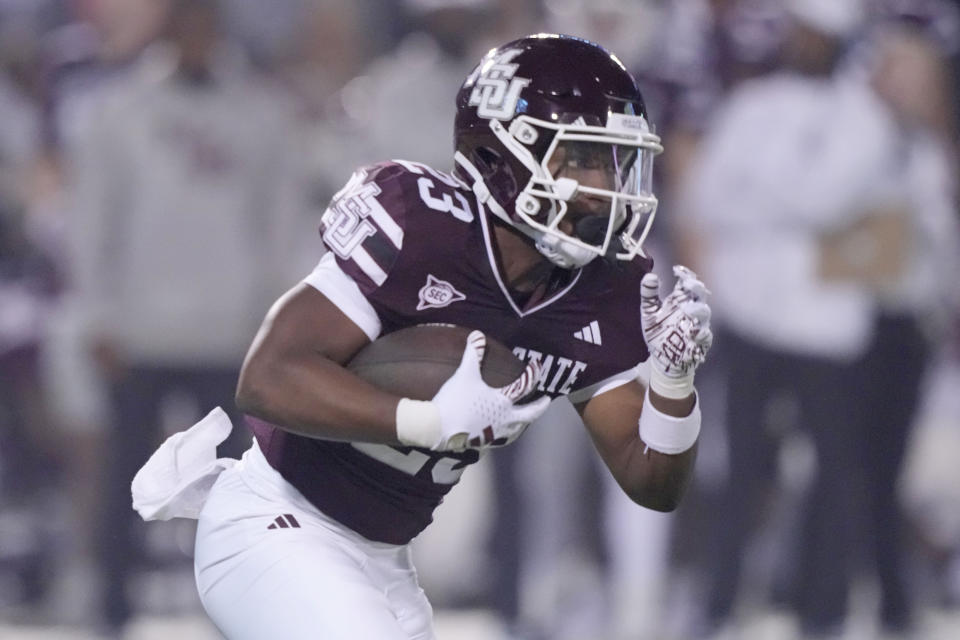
{"points": [[415, 362]]}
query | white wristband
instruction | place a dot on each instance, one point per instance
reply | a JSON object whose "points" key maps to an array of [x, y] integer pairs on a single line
{"points": [[675, 388], [418, 423], [668, 434]]}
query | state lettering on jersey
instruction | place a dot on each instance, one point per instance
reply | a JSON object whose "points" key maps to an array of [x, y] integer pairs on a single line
{"points": [[496, 89], [557, 374], [437, 293]]}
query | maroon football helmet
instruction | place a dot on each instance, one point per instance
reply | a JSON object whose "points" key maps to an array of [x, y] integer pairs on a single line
{"points": [[551, 133]]}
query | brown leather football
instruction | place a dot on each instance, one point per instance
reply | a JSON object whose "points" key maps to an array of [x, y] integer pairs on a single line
{"points": [[416, 361]]}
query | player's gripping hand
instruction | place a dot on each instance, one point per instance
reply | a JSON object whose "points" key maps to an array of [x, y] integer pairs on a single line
{"points": [[466, 411], [677, 331]]}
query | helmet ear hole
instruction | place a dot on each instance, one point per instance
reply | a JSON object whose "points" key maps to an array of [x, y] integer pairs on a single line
{"points": [[490, 160], [496, 172]]}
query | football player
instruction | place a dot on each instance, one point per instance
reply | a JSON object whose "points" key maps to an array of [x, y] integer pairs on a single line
{"points": [[535, 239]]}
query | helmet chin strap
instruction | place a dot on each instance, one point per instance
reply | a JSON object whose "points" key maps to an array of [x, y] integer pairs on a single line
{"points": [[480, 188], [561, 253], [483, 194]]}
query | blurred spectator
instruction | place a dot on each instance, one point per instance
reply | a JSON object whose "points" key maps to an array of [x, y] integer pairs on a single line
{"points": [[938, 21], [930, 487], [185, 201], [31, 454], [626, 27], [915, 305], [699, 52], [331, 50], [331, 43], [266, 30], [809, 211], [444, 41], [915, 55], [99, 42], [328, 51], [31, 460], [80, 47]]}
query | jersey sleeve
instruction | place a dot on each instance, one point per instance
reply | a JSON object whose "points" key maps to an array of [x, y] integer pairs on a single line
{"points": [[363, 231], [639, 372], [330, 280], [363, 227]]}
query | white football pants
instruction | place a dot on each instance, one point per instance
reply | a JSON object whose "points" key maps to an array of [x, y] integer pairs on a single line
{"points": [[270, 565]]}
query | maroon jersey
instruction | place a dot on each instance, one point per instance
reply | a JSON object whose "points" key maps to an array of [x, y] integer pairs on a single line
{"points": [[418, 245]]}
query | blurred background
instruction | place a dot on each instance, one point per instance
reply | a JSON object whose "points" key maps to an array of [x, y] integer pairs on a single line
{"points": [[163, 167]]}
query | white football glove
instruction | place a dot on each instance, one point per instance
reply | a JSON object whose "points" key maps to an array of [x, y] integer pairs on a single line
{"points": [[466, 411], [677, 331]]}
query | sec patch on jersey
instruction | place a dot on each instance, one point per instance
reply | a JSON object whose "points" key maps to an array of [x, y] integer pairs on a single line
{"points": [[414, 362]]}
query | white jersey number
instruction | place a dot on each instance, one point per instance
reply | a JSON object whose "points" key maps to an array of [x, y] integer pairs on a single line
{"points": [[445, 470]]}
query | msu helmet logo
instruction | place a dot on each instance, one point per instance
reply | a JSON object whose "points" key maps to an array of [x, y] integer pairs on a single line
{"points": [[496, 90]]}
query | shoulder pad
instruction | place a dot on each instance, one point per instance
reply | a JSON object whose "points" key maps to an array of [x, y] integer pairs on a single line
{"points": [[365, 223]]}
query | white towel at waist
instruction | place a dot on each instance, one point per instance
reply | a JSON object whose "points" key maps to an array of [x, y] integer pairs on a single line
{"points": [[175, 481]]}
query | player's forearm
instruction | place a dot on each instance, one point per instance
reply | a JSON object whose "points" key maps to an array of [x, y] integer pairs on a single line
{"points": [[656, 480], [661, 457], [653, 472], [677, 407], [316, 397]]}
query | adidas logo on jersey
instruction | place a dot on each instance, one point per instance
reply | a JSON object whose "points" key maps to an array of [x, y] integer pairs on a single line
{"points": [[284, 522], [590, 333]]}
